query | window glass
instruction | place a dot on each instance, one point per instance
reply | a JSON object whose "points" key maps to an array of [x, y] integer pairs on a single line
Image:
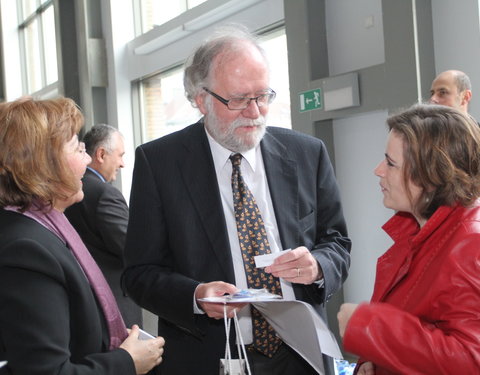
{"points": [[38, 44], [194, 3], [32, 57], [275, 46], [50, 44], [165, 109], [155, 12], [28, 8]]}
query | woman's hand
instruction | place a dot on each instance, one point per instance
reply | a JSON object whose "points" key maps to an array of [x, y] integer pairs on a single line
{"points": [[146, 354], [344, 314], [366, 368]]}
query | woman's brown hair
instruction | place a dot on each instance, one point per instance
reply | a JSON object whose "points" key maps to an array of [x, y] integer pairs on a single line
{"points": [[32, 138], [441, 155]]}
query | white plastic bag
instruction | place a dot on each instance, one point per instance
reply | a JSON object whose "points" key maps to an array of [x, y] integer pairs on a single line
{"points": [[229, 366]]}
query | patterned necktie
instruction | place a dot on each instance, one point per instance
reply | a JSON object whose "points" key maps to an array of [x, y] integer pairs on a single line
{"points": [[253, 241]]}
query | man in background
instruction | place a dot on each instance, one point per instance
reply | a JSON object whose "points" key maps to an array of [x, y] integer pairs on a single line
{"points": [[453, 89], [101, 218]]}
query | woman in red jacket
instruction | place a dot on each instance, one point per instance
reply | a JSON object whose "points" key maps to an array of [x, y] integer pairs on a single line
{"points": [[424, 315]]}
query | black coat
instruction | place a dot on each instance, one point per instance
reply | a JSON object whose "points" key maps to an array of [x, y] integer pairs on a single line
{"points": [[50, 322]]}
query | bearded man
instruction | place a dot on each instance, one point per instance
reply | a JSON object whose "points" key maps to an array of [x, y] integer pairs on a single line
{"points": [[183, 241]]}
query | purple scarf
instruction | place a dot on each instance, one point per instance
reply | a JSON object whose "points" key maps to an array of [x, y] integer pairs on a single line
{"points": [[58, 224]]}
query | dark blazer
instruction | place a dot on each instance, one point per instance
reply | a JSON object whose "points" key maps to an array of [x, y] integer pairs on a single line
{"points": [[177, 236], [101, 219], [50, 322]]}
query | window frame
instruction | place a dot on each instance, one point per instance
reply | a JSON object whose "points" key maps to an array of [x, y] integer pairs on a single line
{"points": [[130, 67], [45, 89]]}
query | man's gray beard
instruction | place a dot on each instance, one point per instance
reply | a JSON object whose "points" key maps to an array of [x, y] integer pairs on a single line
{"points": [[231, 141]]}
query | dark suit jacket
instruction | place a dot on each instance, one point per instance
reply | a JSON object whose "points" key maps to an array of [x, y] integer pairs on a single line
{"points": [[177, 236], [50, 322], [101, 219]]}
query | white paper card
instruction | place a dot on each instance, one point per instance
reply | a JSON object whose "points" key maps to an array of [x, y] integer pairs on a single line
{"points": [[267, 259], [143, 335]]}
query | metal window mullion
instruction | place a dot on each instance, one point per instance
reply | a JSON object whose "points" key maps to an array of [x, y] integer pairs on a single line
{"points": [[40, 9], [138, 110], [41, 46], [137, 17], [23, 48], [23, 62]]}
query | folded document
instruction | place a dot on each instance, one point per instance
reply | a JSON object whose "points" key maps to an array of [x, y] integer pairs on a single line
{"points": [[301, 328], [296, 322]]}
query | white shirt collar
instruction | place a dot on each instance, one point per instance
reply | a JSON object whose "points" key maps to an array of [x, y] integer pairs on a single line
{"points": [[221, 155]]}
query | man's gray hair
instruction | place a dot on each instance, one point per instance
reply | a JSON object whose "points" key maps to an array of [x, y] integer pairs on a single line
{"points": [[227, 40], [462, 81], [100, 135]]}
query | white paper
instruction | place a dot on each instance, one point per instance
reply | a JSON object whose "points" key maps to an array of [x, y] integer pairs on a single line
{"points": [[143, 335], [301, 328], [2, 363], [267, 259]]}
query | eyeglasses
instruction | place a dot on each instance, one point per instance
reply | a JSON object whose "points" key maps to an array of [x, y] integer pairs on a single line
{"points": [[238, 104]]}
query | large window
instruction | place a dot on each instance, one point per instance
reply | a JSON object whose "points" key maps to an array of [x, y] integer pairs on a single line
{"points": [[164, 108], [155, 12], [36, 26]]}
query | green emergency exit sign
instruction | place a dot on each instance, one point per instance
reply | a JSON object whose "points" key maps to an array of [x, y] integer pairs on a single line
{"points": [[310, 100]]}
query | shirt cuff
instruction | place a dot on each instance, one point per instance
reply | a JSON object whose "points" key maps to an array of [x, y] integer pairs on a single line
{"points": [[196, 309], [320, 283]]}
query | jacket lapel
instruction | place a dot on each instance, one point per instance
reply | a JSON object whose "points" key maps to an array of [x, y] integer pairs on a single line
{"points": [[408, 239], [395, 262], [198, 172], [283, 185]]}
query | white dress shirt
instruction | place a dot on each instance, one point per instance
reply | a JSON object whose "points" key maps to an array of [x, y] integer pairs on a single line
{"points": [[253, 172]]}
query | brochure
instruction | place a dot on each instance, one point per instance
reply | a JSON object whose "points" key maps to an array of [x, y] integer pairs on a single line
{"points": [[244, 296]]}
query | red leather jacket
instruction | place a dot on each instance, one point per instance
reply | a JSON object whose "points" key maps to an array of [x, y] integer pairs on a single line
{"points": [[424, 315]]}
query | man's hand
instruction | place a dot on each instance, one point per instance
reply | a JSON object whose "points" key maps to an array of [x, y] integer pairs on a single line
{"points": [[216, 289], [297, 266]]}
